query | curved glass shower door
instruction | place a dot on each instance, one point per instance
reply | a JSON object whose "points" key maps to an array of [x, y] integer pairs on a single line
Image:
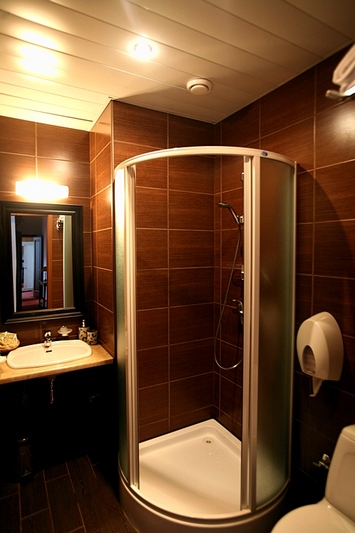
{"points": [[269, 241]]}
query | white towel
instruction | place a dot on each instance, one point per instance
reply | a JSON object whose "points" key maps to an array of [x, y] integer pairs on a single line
{"points": [[344, 74]]}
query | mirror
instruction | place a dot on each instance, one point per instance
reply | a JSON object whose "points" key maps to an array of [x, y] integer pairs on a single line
{"points": [[42, 267]]}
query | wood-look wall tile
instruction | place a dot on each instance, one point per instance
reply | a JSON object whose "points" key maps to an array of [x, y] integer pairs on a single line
{"points": [[54, 142], [10, 513], [230, 356], [105, 288], [74, 174], [335, 135], [152, 328], [190, 394], [152, 130], [234, 426], [242, 127], [191, 211], [153, 366], [236, 286], [232, 168], [153, 404], [229, 243], [155, 429], [234, 198], [189, 418], [103, 248], [191, 323], [190, 286], [103, 129], [15, 168], [304, 292], [188, 132], [190, 248], [231, 399], [304, 249], [336, 295], [305, 197], [335, 192], [275, 110], [148, 174], [192, 174], [348, 374], [334, 249], [17, 136], [151, 208], [231, 327], [104, 169], [104, 216], [190, 359], [295, 142], [152, 248], [152, 289], [105, 324]]}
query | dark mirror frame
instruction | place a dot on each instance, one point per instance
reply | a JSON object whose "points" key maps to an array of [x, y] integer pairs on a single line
{"points": [[7, 307]]}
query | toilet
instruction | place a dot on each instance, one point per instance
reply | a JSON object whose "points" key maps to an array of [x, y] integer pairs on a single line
{"points": [[335, 513]]}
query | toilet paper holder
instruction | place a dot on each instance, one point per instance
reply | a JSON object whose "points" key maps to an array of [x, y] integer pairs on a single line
{"points": [[320, 349]]}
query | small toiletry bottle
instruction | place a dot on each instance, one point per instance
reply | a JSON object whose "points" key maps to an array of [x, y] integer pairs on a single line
{"points": [[83, 331]]}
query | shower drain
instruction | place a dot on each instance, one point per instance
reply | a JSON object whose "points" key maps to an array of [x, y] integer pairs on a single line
{"points": [[207, 440]]}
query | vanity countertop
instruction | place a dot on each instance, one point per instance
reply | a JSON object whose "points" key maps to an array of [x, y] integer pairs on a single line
{"points": [[99, 357]]}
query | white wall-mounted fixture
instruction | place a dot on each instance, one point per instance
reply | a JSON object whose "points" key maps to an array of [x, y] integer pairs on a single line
{"points": [[199, 86], [40, 190], [320, 349], [344, 76]]}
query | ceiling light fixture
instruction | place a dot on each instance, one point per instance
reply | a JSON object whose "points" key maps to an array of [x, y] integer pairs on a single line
{"points": [[199, 86], [41, 191], [143, 49]]}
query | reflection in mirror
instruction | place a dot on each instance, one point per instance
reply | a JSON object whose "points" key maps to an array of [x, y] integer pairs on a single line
{"points": [[43, 262]]}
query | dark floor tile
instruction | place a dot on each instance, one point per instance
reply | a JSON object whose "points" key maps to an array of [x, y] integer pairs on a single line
{"points": [[33, 495], [65, 512], [102, 512], [38, 523], [10, 514], [82, 476], [55, 471]]}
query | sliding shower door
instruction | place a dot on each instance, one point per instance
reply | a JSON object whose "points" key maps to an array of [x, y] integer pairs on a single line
{"points": [[269, 324]]}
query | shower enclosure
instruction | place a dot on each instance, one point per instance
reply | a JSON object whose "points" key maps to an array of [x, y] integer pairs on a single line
{"points": [[215, 473]]}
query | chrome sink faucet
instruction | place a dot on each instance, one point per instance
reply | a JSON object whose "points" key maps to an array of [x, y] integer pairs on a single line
{"points": [[47, 339]]}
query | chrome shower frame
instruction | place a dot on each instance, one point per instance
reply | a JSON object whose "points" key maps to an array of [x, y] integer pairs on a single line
{"points": [[124, 191]]}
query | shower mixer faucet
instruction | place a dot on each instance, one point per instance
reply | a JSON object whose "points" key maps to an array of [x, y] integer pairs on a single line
{"points": [[239, 309]]}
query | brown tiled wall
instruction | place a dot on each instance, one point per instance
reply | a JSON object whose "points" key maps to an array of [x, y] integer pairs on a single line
{"points": [[101, 158], [174, 268], [58, 154], [298, 121]]}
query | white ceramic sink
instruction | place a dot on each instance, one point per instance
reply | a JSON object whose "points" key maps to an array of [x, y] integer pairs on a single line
{"points": [[59, 352]]}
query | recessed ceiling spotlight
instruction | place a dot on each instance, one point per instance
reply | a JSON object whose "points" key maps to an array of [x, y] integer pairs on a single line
{"points": [[143, 49], [199, 86]]}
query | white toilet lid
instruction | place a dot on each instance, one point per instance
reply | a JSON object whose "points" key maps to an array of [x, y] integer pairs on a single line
{"points": [[318, 518]]}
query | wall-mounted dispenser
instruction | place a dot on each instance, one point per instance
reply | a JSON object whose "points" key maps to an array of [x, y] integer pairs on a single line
{"points": [[320, 349]]}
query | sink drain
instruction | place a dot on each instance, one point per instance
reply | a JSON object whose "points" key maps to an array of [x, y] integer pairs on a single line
{"points": [[208, 440]]}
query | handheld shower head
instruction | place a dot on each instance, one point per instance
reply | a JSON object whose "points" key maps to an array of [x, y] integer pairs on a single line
{"points": [[233, 213]]}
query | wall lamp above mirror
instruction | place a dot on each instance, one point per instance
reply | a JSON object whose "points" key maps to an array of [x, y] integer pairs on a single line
{"points": [[42, 267], [41, 190]]}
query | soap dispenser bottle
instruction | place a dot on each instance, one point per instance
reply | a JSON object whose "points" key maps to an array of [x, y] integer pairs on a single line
{"points": [[83, 331]]}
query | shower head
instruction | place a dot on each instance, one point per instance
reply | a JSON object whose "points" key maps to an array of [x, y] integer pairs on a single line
{"points": [[233, 213]]}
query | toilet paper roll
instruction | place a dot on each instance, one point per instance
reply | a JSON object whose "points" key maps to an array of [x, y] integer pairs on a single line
{"points": [[320, 349]]}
